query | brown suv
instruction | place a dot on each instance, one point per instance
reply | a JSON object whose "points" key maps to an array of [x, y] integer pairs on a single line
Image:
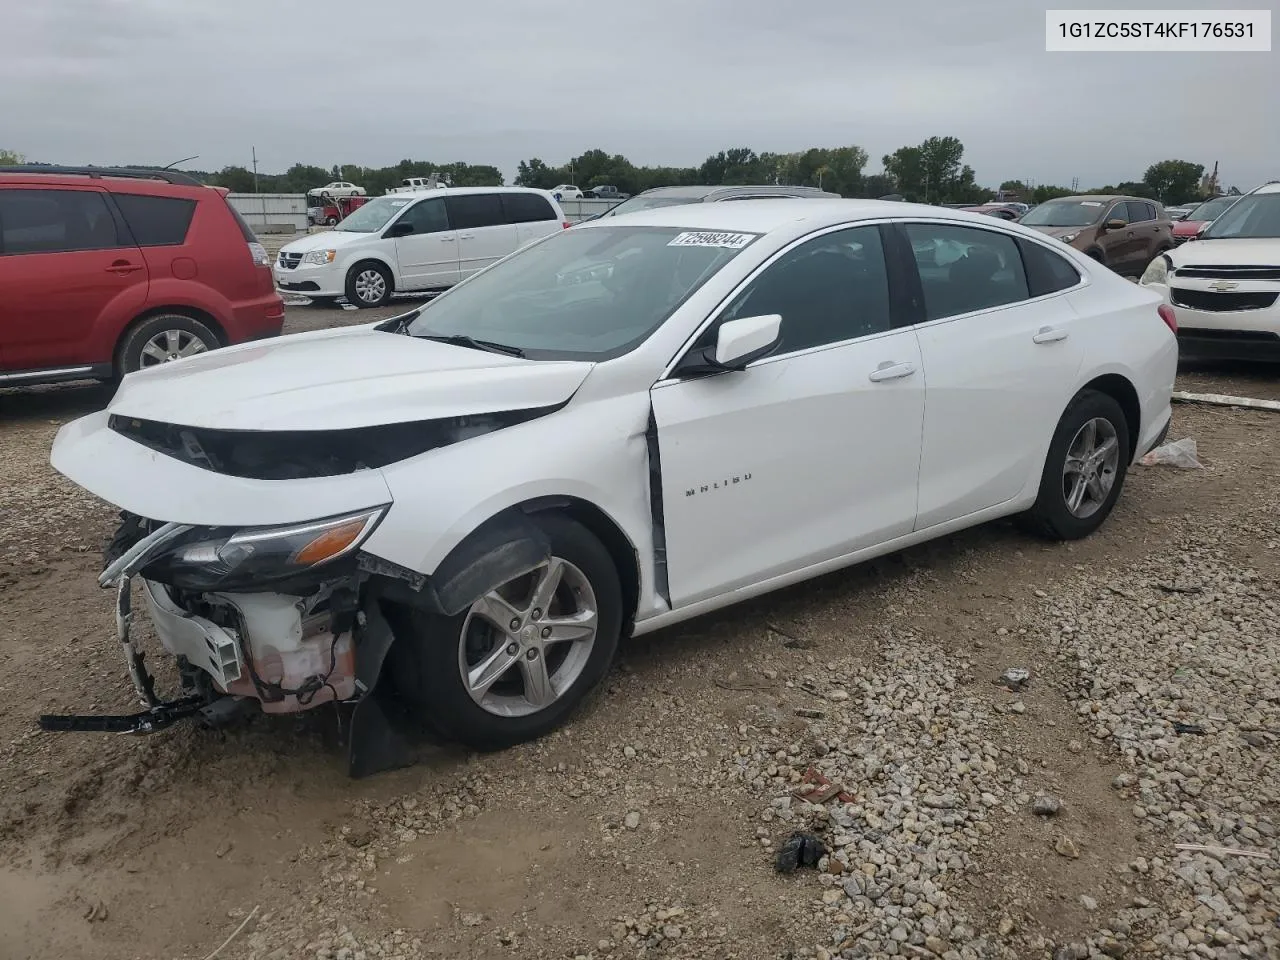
{"points": [[1125, 233]]}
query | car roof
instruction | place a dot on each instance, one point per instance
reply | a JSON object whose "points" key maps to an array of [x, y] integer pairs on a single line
{"points": [[1105, 197], [765, 216], [462, 191], [1270, 187], [700, 191]]}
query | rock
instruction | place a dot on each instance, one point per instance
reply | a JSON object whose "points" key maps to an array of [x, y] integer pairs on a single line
{"points": [[1075, 746], [1064, 846], [1046, 806], [1088, 903], [632, 820], [1006, 926]]}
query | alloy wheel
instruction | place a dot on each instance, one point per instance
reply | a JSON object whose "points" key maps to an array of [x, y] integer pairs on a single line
{"points": [[523, 645], [1090, 469], [371, 286], [169, 345]]}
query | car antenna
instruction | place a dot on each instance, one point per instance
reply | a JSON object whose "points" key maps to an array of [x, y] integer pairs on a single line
{"points": [[183, 160]]}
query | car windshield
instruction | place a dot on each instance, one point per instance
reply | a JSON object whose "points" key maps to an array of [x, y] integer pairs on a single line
{"points": [[636, 204], [588, 294], [1253, 216], [373, 216], [1211, 209], [1064, 213]]}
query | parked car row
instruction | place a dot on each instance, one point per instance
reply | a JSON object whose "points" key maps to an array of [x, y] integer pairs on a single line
{"points": [[106, 272]]}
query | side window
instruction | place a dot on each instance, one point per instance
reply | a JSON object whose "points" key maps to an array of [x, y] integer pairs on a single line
{"points": [[525, 208], [55, 221], [156, 221], [1046, 271], [963, 269], [832, 288], [470, 210], [428, 216], [1118, 211], [1138, 212]]}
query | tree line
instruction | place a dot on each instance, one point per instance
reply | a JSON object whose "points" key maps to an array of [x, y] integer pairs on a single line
{"points": [[933, 171]]}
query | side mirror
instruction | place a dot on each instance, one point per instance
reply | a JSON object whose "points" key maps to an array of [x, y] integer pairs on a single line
{"points": [[738, 343], [401, 228], [1115, 223]]}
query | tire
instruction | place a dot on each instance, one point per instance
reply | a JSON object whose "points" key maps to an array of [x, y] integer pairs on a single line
{"points": [[1097, 255], [431, 650], [161, 339], [1053, 516], [363, 289], [331, 222]]}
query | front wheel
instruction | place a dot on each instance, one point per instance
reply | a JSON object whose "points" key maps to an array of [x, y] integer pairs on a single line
{"points": [[513, 666], [1084, 471], [368, 285]]}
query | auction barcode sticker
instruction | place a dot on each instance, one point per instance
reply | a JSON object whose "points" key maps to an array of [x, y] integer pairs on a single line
{"points": [[702, 238], [1158, 31]]}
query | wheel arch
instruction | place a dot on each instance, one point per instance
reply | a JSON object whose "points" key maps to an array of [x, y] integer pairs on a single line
{"points": [[184, 309], [374, 258], [1122, 391]]}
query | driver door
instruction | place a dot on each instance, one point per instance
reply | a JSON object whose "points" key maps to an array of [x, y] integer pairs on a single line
{"points": [[428, 257], [808, 454]]}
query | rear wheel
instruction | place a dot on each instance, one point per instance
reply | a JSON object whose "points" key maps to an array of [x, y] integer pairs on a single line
{"points": [[163, 339], [1084, 471], [368, 284], [514, 665]]}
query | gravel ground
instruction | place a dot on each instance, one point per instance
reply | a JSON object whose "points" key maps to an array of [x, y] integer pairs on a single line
{"points": [[961, 818]]}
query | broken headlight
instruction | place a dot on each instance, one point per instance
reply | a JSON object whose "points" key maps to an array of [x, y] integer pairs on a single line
{"points": [[225, 559]]}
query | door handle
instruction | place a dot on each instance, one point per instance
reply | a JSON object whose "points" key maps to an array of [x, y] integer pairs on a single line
{"points": [[123, 266], [891, 371], [466, 236], [447, 239], [1049, 335]]}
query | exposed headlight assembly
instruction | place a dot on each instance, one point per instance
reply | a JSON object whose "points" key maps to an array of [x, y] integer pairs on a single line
{"points": [[1068, 237], [212, 559], [320, 257]]}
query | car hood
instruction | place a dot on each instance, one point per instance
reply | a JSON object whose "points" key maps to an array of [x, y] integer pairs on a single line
{"points": [[1188, 228], [1059, 231], [341, 379], [1251, 251], [325, 240]]}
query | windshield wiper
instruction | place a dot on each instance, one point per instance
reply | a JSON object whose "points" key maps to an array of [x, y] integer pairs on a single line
{"points": [[462, 340]]}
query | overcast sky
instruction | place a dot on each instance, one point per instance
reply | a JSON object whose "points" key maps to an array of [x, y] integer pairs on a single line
{"points": [[660, 81]]}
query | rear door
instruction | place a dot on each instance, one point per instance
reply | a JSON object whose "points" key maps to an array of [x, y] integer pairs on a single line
{"points": [[428, 257], [531, 215], [1000, 364], [1147, 229], [67, 269], [484, 235]]}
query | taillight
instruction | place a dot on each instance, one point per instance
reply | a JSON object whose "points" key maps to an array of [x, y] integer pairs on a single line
{"points": [[259, 254], [566, 224], [1168, 316]]}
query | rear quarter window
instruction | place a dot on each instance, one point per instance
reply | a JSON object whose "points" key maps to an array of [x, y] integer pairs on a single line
{"points": [[1047, 272], [526, 208], [471, 210], [156, 221]]}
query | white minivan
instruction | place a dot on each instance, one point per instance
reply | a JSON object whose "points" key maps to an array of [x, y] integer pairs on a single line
{"points": [[416, 241]]}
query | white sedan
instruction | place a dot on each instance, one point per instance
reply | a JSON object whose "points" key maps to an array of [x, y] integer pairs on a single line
{"points": [[340, 188], [610, 431]]}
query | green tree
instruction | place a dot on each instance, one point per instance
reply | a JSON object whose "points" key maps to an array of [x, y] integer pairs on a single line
{"points": [[905, 166], [11, 158], [878, 185], [1174, 181]]}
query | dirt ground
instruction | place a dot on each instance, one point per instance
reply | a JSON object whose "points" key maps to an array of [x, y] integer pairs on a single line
{"points": [[633, 831]]}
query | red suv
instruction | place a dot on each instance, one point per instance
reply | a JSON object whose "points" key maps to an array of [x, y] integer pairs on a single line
{"points": [[104, 272]]}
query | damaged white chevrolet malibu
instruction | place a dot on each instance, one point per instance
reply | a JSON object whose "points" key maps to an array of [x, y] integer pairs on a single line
{"points": [[454, 516]]}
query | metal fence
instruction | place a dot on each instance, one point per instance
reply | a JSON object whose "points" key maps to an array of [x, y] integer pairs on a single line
{"points": [[272, 212], [577, 210]]}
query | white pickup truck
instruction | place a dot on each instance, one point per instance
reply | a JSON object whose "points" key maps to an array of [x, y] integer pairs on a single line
{"points": [[414, 184]]}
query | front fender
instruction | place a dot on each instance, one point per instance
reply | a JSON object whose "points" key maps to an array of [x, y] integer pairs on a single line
{"points": [[594, 452]]}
